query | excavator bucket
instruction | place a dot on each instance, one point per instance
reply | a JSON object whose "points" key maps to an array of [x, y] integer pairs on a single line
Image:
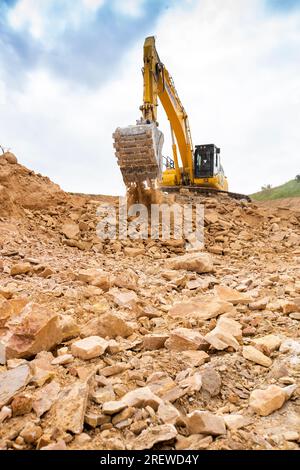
{"points": [[139, 152]]}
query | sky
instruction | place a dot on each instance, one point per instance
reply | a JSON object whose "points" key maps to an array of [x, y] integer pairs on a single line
{"points": [[70, 74]]}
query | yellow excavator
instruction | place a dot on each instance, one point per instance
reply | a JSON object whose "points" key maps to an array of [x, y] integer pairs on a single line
{"points": [[139, 147]]}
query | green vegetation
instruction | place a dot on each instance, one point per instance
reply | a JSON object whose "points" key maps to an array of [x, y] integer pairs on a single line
{"points": [[289, 189]]}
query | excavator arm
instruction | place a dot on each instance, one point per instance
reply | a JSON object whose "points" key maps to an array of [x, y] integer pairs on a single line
{"points": [[158, 84]]}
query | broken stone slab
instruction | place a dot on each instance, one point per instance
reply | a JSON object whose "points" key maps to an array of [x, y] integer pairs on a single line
{"points": [[89, 348], [231, 295], [113, 407], [204, 422], [95, 277], [260, 304], [201, 309], [167, 413], [197, 262], [193, 442], [103, 394], [124, 299], [194, 358], [154, 341], [68, 327], [5, 413], [70, 230], [35, 329], [21, 404], [107, 325], [254, 355], [236, 421], [211, 381], [265, 402], [133, 252], [269, 343], [12, 382], [63, 359], [184, 339], [94, 420], [45, 397], [69, 409], [153, 435], [225, 334], [20, 268]]}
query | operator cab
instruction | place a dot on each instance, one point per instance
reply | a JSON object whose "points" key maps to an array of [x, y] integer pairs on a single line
{"points": [[207, 161]]}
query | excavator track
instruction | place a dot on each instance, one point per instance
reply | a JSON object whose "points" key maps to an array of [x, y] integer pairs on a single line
{"points": [[206, 191]]}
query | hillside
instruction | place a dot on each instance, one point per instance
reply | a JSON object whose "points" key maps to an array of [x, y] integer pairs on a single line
{"points": [[289, 189]]}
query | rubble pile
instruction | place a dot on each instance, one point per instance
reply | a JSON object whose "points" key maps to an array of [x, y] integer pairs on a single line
{"points": [[141, 344]]}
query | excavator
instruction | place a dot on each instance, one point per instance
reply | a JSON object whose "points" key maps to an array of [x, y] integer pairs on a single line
{"points": [[139, 147]]}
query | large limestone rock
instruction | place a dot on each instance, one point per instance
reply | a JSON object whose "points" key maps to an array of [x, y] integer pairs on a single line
{"points": [[226, 334], [70, 230], [265, 402], [89, 348], [107, 325], [197, 262], [204, 422], [12, 382], [254, 355], [69, 409], [151, 436], [231, 295], [95, 277], [185, 339], [35, 329], [201, 309], [45, 397]]}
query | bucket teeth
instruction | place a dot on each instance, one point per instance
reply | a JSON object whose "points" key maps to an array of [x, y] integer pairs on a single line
{"points": [[138, 150]]}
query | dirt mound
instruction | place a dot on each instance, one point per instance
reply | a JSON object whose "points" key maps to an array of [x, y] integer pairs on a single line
{"points": [[21, 188]]}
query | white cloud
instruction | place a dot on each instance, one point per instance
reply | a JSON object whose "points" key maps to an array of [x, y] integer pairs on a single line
{"points": [[236, 72], [129, 7], [47, 18]]}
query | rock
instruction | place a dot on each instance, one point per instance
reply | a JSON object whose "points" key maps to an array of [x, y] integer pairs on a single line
{"points": [[45, 397], [21, 404], [141, 397], [70, 408], [201, 309], [113, 407], [193, 442], [195, 358], [59, 445], [133, 252], [35, 329], [259, 304], [198, 262], [12, 382], [107, 325], [154, 341], [151, 436], [289, 391], [20, 268], [167, 413], [211, 381], [204, 422], [10, 158], [295, 316], [184, 339], [82, 439], [62, 359], [254, 355], [94, 420], [225, 334], [231, 295], [113, 370], [31, 433], [89, 348], [127, 280], [289, 307], [70, 230], [291, 436], [269, 343], [236, 421], [95, 277], [5, 413], [68, 327], [265, 402], [125, 299], [103, 394]]}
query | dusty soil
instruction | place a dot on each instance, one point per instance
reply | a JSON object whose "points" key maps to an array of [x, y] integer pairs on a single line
{"points": [[48, 241]]}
